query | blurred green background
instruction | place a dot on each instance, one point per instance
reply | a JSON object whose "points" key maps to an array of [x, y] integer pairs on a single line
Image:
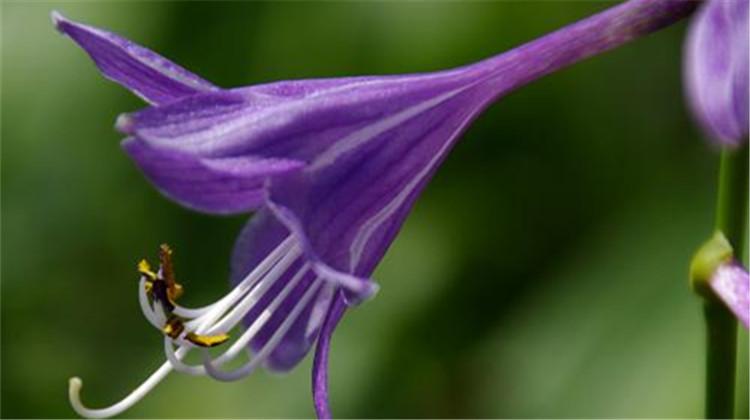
{"points": [[541, 274]]}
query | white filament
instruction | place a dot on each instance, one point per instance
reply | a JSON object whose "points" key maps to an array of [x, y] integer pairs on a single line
{"points": [[280, 251], [219, 317], [75, 384], [252, 294], [253, 329], [146, 308], [236, 314], [244, 339], [285, 326]]}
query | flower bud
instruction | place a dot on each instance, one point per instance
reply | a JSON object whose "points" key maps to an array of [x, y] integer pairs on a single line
{"points": [[716, 69]]}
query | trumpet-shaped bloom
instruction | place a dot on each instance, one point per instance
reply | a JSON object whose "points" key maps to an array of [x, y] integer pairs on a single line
{"points": [[717, 51], [330, 166]]}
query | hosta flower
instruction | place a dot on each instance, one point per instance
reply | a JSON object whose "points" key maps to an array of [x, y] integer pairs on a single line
{"points": [[716, 69], [331, 168]]}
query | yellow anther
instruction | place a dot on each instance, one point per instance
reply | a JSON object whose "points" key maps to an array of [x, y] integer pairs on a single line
{"points": [[173, 327], [206, 340], [145, 268]]}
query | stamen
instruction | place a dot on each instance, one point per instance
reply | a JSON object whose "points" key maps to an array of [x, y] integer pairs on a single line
{"points": [[170, 318], [231, 319], [173, 327], [320, 309], [285, 326], [75, 384], [160, 316], [263, 281], [206, 340], [174, 289], [145, 268], [259, 322], [364, 289], [246, 283], [245, 338], [146, 308]]}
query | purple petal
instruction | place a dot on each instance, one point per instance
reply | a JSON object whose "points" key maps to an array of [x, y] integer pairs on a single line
{"points": [[732, 285], [344, 208], [215, 185], [351, 199], [357, 288], [716, 69], [320, 362], [261, 235], [319, 122], [300, 338], [150, 76], [281, 123], [296, 342], [298, 119]]}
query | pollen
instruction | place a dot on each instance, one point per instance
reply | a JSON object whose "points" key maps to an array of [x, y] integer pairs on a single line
{"points": [[162, 289], [145, 268], [207, 340], [173, 327]]}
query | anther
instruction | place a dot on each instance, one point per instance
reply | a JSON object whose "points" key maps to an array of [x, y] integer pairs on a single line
{"points": [[164, 290], [174, 289], [206, 340], [145, 269], [173, 327]]}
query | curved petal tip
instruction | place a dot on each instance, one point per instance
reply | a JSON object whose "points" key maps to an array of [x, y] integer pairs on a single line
{"points": [[57, 19]]}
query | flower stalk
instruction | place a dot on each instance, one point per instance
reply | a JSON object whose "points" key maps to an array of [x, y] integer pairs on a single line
{"points": [[721, 338]]}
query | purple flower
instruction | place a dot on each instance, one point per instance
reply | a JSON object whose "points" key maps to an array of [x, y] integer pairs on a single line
{"points": [[331, 167], [716, 69], [731, 284]]}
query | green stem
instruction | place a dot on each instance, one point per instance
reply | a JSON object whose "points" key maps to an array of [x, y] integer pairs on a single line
{"points": [[720, 360], [731, 219], [731, 207]]}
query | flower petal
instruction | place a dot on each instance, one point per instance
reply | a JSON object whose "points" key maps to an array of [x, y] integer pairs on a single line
{"points": [[356, 288], [298, 119], [213, 185], [262, 234], [320, 362], [351, 199], [303, 333], [716, 69], [732, 284], [150, 76]]}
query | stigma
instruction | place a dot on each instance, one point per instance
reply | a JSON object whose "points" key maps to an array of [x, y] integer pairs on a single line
{"points": [[184, 329]]}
